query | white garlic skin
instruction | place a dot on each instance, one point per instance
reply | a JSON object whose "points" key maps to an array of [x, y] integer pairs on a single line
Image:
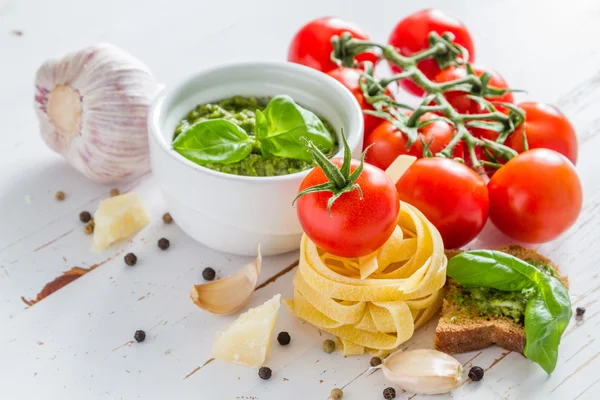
{"points": [[92, 105], [422, 371]]}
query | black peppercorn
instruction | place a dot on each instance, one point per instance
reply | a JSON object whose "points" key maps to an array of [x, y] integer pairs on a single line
{"points": [[375, 361], [139, 336], [579, 311], [208, 274], [85, 216], [476, 373], [284, 338], [163, 244], [264, 373], [389, 393], [130, 259]]}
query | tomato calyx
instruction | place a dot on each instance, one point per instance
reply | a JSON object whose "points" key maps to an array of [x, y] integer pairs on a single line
{"points": [[454, 53], [339, 180]]}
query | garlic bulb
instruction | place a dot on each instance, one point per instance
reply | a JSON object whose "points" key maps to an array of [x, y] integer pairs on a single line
{"points": [[92, 105], [422, 371]]}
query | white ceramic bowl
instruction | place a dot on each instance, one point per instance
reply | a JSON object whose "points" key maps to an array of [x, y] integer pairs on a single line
{"points": [[231, 213]]}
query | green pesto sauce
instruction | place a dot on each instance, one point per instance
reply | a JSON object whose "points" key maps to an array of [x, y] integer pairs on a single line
{"points": [[491, 302], [241, 111]]}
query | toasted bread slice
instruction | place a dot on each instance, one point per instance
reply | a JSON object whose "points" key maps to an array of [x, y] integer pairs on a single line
{"points": [[460, 329]]}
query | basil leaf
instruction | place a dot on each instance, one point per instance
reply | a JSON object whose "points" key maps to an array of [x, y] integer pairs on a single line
{"points": [[261, 130], [285, 127], [495, 269], [214, 141], [547, 315], [548, 310]]}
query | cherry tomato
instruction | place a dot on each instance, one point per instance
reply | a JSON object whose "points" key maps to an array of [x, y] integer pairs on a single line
{"points": [[411, 35], [545, 127], [356, 227], [311, 46], [536, 196], [459, 100], [452, 196], [388, 142], [350, 77]]}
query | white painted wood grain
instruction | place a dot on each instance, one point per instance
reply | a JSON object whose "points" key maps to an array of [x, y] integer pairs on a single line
{"points": [[68, 346]]}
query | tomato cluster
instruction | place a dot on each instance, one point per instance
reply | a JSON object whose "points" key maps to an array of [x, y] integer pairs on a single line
{"points": [[534, 197]]}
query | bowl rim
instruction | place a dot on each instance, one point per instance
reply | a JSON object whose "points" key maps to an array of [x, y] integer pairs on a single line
{"points": [[166, 96]]}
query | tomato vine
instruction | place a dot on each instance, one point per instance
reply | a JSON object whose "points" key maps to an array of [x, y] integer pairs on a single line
{"points": [[447, 53]]}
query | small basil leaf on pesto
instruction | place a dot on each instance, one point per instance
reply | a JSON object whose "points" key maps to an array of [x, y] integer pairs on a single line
{"points": [[261, 130], [214, 141], [285, 125], [548, 308]]}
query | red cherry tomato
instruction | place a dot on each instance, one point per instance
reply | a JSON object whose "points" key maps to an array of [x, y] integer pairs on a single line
{"points": [[411, 35], [356, 227], [459, 100], [350, 77], [388, 142], [545, 127], [311, 46], [535, 197], [452, 196]]}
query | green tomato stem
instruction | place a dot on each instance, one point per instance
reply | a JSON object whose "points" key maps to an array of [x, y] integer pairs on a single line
{"points": [[441, 48]]}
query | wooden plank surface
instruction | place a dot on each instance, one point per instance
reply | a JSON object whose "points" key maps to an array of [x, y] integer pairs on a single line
{"points": [[76, 343]]}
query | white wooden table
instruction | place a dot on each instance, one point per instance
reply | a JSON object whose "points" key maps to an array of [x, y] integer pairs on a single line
{"points": [[76, 344]]}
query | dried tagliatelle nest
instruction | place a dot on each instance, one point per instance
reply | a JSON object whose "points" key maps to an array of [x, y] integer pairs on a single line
{"points": [[375, 302]]}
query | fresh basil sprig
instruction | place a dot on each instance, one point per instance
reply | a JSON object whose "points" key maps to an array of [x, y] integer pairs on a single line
{"points": [[548, 309], [214, 141], [281, 130]]}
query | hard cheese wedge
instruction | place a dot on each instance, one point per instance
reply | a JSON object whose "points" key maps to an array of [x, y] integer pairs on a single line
{"points": [[247, 340], [118, 218]]}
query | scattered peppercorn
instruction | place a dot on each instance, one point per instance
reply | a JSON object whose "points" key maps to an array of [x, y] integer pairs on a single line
{"points": [[579, 311], [88, 229], [284, 338], [114, 192], [337, 394], [139, 336], [209, 274], [476, 373], [163, 243], [167, 219], [130, 259], [328, 346], [389, 393], [60, 196], [92, 223], [265, 373], [375, 361], [85, 216]]}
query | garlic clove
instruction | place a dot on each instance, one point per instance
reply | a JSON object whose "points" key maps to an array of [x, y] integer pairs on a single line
{"points": [[228, 295], [92, 107], [422, 371]]}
